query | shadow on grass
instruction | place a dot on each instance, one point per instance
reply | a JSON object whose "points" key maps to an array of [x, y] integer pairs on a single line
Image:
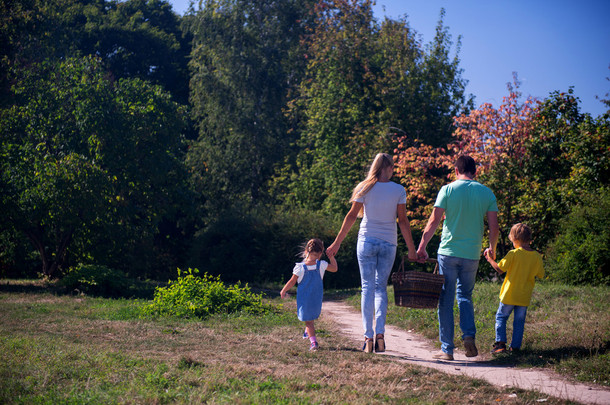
{"points": [[34, 287], [542, 358], [138, 289], [146, 290], [339, 295], [329, 294]]}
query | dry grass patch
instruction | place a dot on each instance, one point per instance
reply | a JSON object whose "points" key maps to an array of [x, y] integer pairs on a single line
{"points": [[66, 349]]}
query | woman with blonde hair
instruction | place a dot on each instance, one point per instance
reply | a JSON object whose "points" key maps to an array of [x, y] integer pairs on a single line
{"points": [[382, 202]]}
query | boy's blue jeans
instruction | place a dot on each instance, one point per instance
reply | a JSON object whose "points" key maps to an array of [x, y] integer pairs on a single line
{"points": [[460, 273], [375, 259], [518, 323]]}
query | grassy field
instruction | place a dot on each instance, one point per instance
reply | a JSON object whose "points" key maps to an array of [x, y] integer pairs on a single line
{"points": [[81, 350], [567, 328]]}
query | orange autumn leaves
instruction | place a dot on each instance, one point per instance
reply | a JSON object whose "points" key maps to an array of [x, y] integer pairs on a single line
{"points": [[495, 138]]}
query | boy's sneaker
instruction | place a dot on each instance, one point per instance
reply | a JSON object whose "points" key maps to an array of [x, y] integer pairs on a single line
{"points": [[515, 350], [498, 347], [314, 346], [305, 335], [471, 348]]}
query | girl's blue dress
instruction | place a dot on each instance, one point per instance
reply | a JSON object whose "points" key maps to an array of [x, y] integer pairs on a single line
{"points": [[309, 294]]}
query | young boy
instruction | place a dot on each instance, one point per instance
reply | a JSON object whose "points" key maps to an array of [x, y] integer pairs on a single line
{"points": [[522, 265]]}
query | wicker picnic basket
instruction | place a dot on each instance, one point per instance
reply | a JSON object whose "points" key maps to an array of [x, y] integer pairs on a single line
{"points": [[417, 289]]}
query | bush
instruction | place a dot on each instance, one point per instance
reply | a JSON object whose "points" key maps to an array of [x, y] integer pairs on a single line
{"points": [[92, 279], [18, 259], [580, 254], [190, 296], [263, 245]]}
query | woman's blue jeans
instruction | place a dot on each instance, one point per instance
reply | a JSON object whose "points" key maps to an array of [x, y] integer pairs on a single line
{"points": [[375, 258], [460, 273], [518, 323]]}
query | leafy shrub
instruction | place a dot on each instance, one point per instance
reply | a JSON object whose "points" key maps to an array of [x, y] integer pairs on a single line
{"points": [[262, 245], [95, 279], [580, 254], [191, 296]]}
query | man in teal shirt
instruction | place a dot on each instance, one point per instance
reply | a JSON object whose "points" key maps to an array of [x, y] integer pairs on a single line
{"points": [[464, 203]]}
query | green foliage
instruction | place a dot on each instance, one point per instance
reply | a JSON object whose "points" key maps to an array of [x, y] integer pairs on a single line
{"points": [[540, 159], [91, 279], [365, 82], [262, 245], [567, 158], [191, 296], [17, 258], [245, 61], [134, 38], [580, 254], [336, 107], [88, 163]]}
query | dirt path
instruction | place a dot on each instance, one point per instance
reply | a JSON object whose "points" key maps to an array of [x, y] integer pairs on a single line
{"points": [[414, 349]]}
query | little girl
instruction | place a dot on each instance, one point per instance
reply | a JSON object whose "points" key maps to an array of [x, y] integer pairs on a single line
{"points": [[309, 274]]}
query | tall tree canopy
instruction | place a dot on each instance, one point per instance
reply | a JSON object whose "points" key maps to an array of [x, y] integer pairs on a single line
{"points": [[541, 159], [365, 83], [244, 63], [134, 38], [85, 158]]}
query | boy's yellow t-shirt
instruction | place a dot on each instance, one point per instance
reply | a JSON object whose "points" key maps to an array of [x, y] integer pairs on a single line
{"points": [[521, 267]]}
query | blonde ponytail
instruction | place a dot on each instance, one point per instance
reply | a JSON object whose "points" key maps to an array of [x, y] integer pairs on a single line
{"points": [[381, 162]]}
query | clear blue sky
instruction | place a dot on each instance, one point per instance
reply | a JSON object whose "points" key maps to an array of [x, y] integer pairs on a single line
{"points": [[551, 44]]}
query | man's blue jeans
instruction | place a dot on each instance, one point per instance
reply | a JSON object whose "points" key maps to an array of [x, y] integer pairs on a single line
{"points": [[460, 273], [518, 323], [375, 258]]}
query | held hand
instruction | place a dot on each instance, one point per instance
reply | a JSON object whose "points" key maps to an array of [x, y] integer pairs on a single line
{"points": [[486, 254], [332, 249], [422, 255], [489, 253], [413, 256]]}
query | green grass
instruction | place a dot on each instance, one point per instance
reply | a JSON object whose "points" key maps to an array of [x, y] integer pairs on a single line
{"points": [[82, 350], [567, 328]]}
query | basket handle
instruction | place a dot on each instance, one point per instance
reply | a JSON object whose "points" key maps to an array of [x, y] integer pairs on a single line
{"points": [[428, 260]]}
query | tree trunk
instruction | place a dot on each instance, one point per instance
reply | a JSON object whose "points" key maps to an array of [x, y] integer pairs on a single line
{"points": [[50, 263]]}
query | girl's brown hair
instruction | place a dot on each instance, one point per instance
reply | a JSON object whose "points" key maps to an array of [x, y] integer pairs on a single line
{"points": [[520, 232], [313, 245]]}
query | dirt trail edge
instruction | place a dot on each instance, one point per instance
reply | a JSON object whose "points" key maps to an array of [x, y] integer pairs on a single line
{"points": [[414, 349]]}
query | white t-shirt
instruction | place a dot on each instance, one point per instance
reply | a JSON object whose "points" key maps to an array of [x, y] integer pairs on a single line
{"points": [[299, 271], [380, 203]]}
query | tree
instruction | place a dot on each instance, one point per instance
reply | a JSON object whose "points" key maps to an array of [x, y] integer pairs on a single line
{"points": [[336, 106], [87, 160], [244, 63], [364, 82], [605, 101], [134, 38], [497, 139], [540, 159], [567, 158], [143, 39], [580, 254], [440, 95]]}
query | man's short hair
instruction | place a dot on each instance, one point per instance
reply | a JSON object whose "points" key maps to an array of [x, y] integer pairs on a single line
{"points": [[465, 164]]}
